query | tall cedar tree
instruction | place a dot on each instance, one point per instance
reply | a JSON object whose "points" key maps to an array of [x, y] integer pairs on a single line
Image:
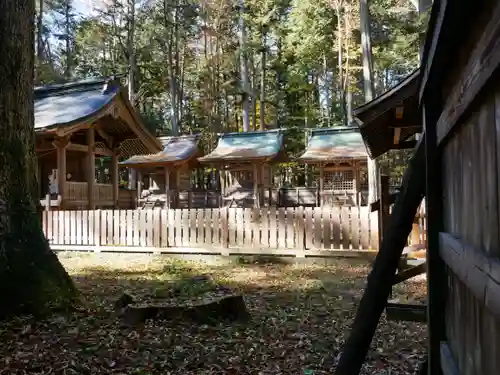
{"points": [[31, 278]]}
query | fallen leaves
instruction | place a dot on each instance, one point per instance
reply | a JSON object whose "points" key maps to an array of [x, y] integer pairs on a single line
{"points": [[301, 315]]}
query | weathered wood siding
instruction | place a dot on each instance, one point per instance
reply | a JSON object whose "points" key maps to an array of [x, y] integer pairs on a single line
{"points": [[469, 136]]}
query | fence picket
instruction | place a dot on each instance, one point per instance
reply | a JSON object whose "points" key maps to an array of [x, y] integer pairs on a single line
{"points": [[318, 229], [273, 230], [290, 228], [345, 226], [281, 230], [327, 228], [308, 224], [247, 225]]}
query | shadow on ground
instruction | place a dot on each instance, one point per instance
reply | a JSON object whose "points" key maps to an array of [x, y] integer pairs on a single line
{"points": [[300, 315]]}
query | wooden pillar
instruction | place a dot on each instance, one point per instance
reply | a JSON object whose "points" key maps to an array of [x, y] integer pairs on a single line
{"points": [[115, 177], [321, 183], [132, 178], [436, 268], [383, 212], [91, 167], [356, 185], [256, 186], [260, 177], [139, 185], [167, 187], [61, 167], [177, 187]]}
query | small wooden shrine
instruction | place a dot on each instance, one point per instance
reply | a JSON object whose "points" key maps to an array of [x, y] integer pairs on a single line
{"points": [[245, 162], [77, 123], [163, 176], [340, 157]]}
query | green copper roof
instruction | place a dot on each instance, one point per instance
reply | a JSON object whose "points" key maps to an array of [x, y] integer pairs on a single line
{"points": [[246, 146], [334, 143]]}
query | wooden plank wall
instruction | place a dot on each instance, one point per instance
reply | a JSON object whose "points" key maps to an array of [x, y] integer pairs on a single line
{"points": [[325, 229], [471, 165]]}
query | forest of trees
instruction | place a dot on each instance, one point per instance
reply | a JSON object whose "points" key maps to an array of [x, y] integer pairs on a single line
{"points": [[218, 65]]}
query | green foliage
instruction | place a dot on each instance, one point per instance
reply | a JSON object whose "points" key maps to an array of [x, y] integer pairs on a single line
{"points": [[187, 58]]}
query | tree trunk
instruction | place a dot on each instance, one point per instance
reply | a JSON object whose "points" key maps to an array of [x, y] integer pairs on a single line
{"points": [[68, 51], [31, 278], [39, 41], [368, 89], [131, 51], [244, 68], [263, 83]]}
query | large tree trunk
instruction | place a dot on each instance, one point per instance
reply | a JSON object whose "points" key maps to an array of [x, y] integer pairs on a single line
{"points": [[369, 89], [31, 277], [244, 68]]}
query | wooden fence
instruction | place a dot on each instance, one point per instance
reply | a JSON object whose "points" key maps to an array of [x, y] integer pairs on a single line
{"points": [[279, 231]]}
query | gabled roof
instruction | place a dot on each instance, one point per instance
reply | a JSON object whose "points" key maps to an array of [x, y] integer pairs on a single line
{"points": [[64, 104], [330, 144], [66, 108], [250, 146], [381, 127], [175, 150]]}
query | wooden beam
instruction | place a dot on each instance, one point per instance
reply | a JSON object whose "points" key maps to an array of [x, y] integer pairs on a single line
{"points": [[84, 148], [383, 213], [406, 312], [397, 135], [409, 273], [448, 363], [434, 41], [483, 62], [321, 183], [167, 185], [379, 285], [115, 176], [436, 270], [403, 126], [61, 166], [375, 206], [90, 135], [481, 274], [404, 145], [107, 138]]}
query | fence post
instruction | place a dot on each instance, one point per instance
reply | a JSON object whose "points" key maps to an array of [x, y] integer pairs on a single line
{"points": [[225, 230], [383, 212]]}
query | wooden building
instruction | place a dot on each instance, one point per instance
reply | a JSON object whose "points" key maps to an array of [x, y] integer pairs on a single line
{"points": [[390, 121], [166, 175], [245, 162], [460, 97], [76, 123], [340, 156]]}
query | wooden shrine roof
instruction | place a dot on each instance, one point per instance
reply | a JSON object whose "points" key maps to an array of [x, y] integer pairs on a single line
{"points": [[334, 143], [176, 150], [388, 121], [64, 109], [245, 147]]}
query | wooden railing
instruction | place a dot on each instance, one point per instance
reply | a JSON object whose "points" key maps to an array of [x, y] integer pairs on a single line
{"points": [[78, 191], [103, 192]]}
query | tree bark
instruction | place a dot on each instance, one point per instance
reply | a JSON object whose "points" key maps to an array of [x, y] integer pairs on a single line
{"points": [[369, 89], [31, 278], [380, 279], [244, 67]]}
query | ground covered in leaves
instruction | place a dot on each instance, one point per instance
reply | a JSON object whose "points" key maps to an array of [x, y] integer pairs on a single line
{"points": [[300, 315]]}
